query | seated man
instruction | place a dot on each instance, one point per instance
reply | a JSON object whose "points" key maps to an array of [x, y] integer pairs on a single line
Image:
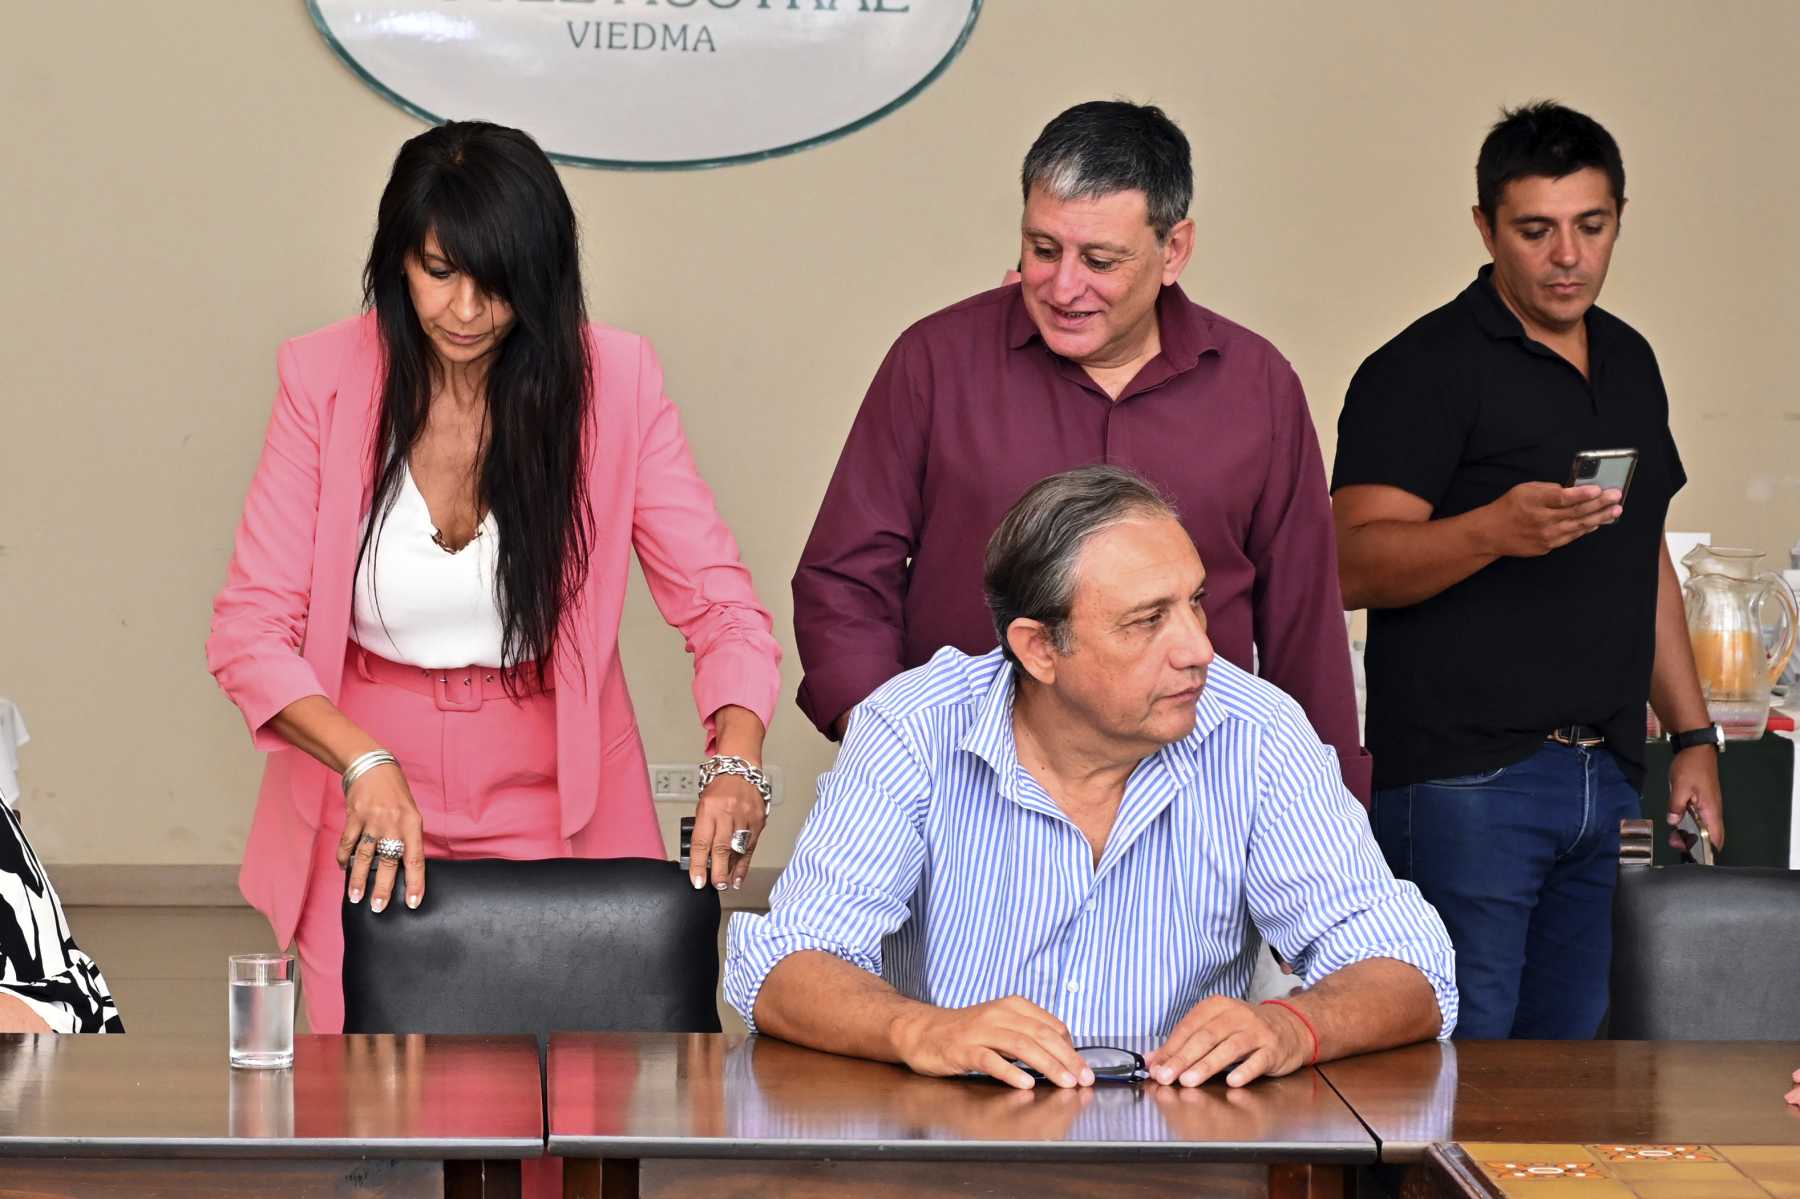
{"points": [[1065, 841]]}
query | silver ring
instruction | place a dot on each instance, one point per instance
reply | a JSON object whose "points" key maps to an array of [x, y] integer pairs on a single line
{"points": [[391, 848], [740, 841]]}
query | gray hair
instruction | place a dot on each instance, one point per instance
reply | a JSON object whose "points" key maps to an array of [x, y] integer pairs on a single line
{"points": [[1029, 571], [1107, 146]]}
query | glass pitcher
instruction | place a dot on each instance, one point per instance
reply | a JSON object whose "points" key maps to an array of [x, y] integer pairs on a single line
{"points": [[1726, 597]]}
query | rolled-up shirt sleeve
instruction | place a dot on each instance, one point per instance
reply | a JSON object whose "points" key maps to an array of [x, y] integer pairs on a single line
{"points": [[693, 569], [1318, 887], [855, 867], [259, 617]]}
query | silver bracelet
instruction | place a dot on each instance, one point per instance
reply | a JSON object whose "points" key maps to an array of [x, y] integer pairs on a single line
{"points": [[365, 763], [720, 764]]}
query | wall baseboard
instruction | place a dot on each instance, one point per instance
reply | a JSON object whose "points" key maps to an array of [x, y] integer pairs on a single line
{"points": [[196, 885], [214, 885]]}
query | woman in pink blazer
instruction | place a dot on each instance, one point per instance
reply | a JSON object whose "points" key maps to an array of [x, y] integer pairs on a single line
{"points": [[420, 621]]}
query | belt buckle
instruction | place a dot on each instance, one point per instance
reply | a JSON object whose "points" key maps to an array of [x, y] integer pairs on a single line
{"points": [[456, 691]]}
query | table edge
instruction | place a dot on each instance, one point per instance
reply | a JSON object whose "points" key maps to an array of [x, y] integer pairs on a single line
{"points": [[386, 1148], [739, 1148], [1405, 1153], [1465, 1171]]}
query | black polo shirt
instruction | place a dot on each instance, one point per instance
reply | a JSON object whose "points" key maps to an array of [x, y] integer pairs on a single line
{"points": [[1457, 410]]}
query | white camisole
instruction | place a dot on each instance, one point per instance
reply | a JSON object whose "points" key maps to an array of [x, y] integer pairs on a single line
{"points": [[437, 610]]}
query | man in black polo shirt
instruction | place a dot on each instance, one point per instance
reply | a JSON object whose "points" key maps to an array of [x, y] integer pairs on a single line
{"points": [[1517, 623]]}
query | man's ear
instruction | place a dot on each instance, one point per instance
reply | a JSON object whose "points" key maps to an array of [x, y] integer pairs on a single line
{"points": [[1034, 647], [1177, 248], [1482, 227]]}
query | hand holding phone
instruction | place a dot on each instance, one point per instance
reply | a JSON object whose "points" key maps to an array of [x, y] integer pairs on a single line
{"points": [[1609, 470], [1535, 518], [1698, 837]]}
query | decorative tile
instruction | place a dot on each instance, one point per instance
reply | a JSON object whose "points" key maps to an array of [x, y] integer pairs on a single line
{"points": [[1538, 1169], [1655, 1153], [1661, 1171]]}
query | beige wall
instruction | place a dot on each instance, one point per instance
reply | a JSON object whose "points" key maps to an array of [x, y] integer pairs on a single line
{"points": [[190, 184]]}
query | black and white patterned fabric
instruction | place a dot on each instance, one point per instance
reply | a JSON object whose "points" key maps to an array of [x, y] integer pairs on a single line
{"points": [[39, 960]]}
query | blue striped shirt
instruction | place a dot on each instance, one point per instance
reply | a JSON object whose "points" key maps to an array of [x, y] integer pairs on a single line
{"points": [[934, 859]]}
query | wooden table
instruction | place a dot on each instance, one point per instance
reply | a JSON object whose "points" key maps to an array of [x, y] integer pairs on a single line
{"points": [[715, 1115], [1622, 1093], [358, 1115], [1631, 1092], [1608, 1171]]}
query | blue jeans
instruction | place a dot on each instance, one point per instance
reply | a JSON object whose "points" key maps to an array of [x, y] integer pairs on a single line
{"points": [[1521, 863]]}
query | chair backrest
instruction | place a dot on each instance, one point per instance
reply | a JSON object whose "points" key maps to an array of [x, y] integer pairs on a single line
{"points": [[537, 947], [1706, 954]]}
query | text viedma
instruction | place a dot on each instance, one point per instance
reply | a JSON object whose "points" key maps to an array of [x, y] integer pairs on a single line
{"points": [[678, 37]]}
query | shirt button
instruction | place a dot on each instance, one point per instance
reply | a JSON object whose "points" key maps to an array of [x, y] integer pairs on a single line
{"points": [[1071, 986]]}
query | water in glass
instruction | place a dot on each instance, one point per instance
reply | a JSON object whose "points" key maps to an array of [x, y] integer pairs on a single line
{"points": [[262, 1023]]}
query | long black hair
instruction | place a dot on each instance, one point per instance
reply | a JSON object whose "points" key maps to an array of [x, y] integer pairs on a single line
{"points": [[501, 217]]}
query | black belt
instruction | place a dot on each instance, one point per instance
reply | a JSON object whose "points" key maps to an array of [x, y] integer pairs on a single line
{"points": [[1585, 735]]}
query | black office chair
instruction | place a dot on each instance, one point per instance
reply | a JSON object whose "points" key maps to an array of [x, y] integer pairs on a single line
{"points": [[564, 944], [1703, 953]]}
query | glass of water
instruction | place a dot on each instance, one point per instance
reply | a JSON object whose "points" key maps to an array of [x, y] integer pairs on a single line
{"points": [[262, 1010]]}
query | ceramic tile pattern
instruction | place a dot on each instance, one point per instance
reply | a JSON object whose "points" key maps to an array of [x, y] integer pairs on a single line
{"points": [[1609, 1171]]}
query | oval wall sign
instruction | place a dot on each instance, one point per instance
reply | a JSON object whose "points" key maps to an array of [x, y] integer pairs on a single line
{"points": [[651, 83]]}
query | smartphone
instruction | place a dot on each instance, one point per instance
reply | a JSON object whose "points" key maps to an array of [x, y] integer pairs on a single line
{"points": [[1700, 848], [1609, 470]]}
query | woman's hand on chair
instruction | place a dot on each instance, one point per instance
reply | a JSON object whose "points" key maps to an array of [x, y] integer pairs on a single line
{"points": [[730, 804], [380, 806]]}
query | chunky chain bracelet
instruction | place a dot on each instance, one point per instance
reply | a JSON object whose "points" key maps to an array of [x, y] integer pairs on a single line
{"points": [[720, 764]]}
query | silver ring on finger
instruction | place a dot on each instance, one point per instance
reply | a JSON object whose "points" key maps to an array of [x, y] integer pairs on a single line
{"points": [[740, 841], [391, 848]]}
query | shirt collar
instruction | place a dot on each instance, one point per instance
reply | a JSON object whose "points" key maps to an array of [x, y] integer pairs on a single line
{"points": [[1185, 329], [1209, 714], [1498, 321], [1183, 757], [990, 735]]}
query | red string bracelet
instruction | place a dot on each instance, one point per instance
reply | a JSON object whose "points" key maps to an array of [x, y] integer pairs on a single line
{"points": [[1310, 1030]]}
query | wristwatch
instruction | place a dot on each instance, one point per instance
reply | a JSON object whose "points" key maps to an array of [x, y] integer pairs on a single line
{"points": [[1710, 734]]}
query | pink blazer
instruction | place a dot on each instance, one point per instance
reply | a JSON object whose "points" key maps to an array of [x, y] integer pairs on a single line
{"points": [[281, 624]]}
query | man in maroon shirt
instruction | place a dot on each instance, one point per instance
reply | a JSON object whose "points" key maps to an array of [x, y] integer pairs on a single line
{"points": [[1096, 355]]}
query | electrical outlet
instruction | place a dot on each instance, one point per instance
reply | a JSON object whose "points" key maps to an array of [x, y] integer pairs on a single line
{"points": [[675, 783]]}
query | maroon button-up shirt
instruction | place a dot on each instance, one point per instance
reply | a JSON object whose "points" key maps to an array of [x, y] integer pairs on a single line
{"points": [[970, 408]]}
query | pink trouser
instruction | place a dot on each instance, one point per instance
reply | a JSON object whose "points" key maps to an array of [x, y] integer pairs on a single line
{"points": [[483, 773]]}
